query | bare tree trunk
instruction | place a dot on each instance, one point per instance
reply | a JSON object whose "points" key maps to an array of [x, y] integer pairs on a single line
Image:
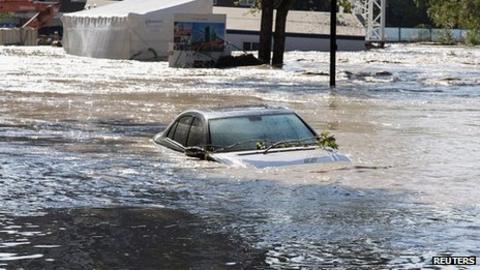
{"points": [[279, 35], [265, 46]]}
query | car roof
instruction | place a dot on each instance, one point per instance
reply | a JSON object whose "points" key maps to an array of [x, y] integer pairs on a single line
{"points": [[226, 112]]}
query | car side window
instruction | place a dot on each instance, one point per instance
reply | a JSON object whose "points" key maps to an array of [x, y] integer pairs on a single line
{"points": [[171, 132], [196, 136], [181, 132]]}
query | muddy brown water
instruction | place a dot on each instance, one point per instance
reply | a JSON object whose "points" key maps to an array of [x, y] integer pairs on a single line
{"points": [[83, 187]]}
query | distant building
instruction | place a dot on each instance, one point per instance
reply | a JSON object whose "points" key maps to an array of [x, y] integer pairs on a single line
{"points": [[308, 26], [66, 6], [305, 30], [305, 5]]}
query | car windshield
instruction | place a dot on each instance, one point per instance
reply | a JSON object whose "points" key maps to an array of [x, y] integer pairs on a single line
{"points": [[257, 132]]}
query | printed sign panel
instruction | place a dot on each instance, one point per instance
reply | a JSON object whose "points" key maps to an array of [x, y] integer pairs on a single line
{"points": [[198, 40], [199, 36]]}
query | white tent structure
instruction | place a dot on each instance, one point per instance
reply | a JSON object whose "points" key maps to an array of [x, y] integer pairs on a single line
{"points": [[130, 29]]}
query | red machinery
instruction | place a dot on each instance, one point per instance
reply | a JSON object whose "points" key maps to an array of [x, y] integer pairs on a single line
{"points": [[44, 11]]}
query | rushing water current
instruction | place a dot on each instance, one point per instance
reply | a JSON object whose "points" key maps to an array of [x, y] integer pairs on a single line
{"points": [[83, 187]]}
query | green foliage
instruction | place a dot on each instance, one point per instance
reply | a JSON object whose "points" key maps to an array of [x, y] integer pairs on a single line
{"points": [[261, 146], [473, 37], [455, 13], [346, 4], [446, 38], [255, 8], [326, 140], [445, 13], [209, 148]]}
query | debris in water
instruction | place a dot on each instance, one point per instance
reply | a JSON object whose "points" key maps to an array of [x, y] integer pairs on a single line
{"points": [[237, 61]]}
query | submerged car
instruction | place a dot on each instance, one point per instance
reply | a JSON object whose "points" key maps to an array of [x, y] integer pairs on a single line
{"points": [[254, 136]]}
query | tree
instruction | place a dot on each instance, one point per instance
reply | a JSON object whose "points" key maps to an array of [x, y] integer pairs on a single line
{"points": [[265, 43], [280, 26], [266, 33], [455, 13]]}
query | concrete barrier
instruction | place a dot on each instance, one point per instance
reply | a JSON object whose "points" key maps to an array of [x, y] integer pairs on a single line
{"points": [[398, 34], [18, 36]]}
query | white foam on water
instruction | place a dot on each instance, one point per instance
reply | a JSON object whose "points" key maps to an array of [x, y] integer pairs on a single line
{"points": [[45, 69], [47, 246], [13, 244], [13, 257]]}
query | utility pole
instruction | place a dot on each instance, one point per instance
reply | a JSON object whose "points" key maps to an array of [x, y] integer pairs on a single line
{"points": [[333, 41]]}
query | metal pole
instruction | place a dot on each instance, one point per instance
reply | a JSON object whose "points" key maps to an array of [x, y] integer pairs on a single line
{"points": [[333, 41], [383, 16], [370, 21]]}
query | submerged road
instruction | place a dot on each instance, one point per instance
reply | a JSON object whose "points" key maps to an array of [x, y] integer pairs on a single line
{"points": [[82, 186]]}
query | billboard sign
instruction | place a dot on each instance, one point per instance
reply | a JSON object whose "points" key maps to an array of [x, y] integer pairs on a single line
{"points": [[201, 34], [198, 40]]}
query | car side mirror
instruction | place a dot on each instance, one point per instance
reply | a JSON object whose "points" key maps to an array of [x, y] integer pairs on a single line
{"points": [[196, 152]]}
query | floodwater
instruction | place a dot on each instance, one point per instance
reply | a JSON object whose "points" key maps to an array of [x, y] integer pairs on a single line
{"points": [[83, 187]]}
